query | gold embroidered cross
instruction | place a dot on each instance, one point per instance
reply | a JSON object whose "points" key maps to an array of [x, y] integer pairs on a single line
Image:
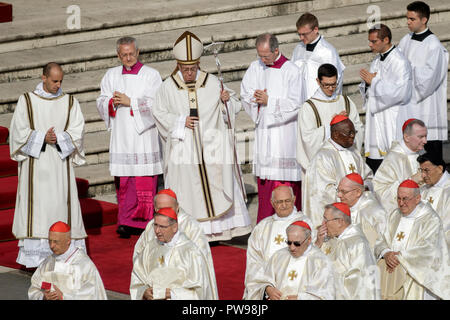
{"points": [[328, 251], [400, 236], [161, 260], [292, 275], [430, 200], [278, 239], [352, 168]]}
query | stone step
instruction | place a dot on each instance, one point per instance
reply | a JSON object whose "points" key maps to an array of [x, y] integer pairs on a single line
{"points": [[238, 35], [32, 28]]}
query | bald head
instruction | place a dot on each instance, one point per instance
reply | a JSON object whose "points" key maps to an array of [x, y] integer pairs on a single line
{"points": [[52, 77], [165, 201]]}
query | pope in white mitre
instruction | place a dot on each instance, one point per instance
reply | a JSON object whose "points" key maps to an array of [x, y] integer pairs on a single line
{"points": [[268, 236], [414, 259], [336, 158], [47, 131], [68, 274], [195, 119], [299, 271], [171, 266]]}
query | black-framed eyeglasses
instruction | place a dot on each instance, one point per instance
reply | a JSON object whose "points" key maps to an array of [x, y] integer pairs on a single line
{"points": [[326, 220], [328, 85], [296, 243]]}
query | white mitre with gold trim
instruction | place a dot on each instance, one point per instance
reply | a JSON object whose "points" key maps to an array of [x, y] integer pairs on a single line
{"points": [[188, 48]]}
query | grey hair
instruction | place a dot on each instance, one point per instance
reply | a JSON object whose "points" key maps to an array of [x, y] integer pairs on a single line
{"points": [[174, 200], [127, 40], [338, 213], [357, 185], [306, 232], [409, 128], [171, 220], [267, 37], [290, 188]]}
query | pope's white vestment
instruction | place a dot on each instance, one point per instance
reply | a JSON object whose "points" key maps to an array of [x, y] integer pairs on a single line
{"points": [[47, 189], [385, 101], [438, 196], [370, 215], [199, 164], [429, 64], [330, 164], [268, 236], [178, 265], [314, 123], [73, 272], [310, 61], [356, 272], [424, 269], [309, 277], [399, 164]]}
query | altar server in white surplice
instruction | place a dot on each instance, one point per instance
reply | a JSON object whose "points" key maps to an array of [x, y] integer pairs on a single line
{"points": [[272, 91], [386, 89], [269, 235], [195, 119], [299, 271], [125, 104], [400, 163], [429, 63], [68, 274], [356, 273], [436, 188], [47, 130], [366, 210], [414, 260], [171, 266], [316, 113], [313, 51], [336, 158]]}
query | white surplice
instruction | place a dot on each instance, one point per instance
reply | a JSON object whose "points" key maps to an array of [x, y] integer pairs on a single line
{"points": [[199, 165], [274, 151], [438, 196], [330, 164], [370, 215], [134, 145], [47, 189], [178, 265], [309, 277], [268, 236], [310, 135], [429, 63], [385, 100], [424, 270], [399, 164], [73, 272], [310, 61], [355, 267]]}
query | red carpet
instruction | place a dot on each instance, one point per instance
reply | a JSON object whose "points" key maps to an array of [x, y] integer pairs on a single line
{"points": [[113, 258]]}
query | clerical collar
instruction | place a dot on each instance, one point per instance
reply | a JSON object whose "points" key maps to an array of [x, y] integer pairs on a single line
{"points": [[278, 63], [44, 94], [63, 257], [337, 145], [134, 69], [320, 95], [278, 218], [384, 55], [311, 46], [355, 207], [422, 35], [441, 183], [407, 150]]}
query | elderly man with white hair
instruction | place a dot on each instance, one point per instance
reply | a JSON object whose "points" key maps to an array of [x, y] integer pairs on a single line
{"points": [[414, 256], [268, 236], [299, 271], [356, 272], [366, 210]]}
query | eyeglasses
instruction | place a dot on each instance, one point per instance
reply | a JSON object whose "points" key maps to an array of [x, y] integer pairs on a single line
{"points": [[329, 85], [296, 243], [304, 34], [127, 55], [404, 199], [349, 133], [427, 170], [279, 202], [326, 220], [344, 192]]}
